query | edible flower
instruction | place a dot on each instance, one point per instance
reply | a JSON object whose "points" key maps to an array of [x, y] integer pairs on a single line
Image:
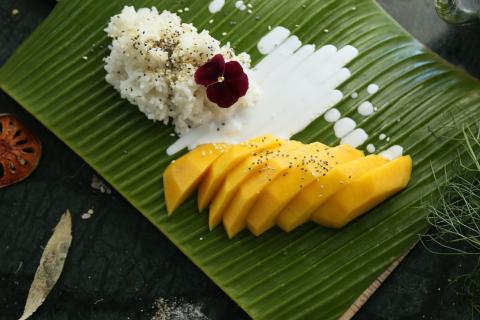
{"points": [[226, 82]]}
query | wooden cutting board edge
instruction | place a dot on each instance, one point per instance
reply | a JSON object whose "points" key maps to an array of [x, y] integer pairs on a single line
{"points": [[367, 294]]}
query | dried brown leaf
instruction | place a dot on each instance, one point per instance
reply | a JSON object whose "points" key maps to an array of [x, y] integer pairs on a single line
{"points": [[51, 265]]}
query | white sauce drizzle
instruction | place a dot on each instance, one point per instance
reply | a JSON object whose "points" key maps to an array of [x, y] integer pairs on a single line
{"points": [[372, 88], [393, 152], [355, 138], [332, 115], [343, 127], [365, 109], [298, 85], [354, 95], [382, 136], [272, 40], [240, 5], [216, 5], [371, 148]]}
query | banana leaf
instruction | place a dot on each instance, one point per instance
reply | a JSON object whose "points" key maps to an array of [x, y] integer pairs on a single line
{"points": [[313, 272]]}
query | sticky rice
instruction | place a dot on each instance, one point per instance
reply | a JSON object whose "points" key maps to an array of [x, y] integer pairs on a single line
{"points": [[152, 61]]}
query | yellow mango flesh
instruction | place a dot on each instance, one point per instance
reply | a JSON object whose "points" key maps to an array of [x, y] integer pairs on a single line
{"points": [[240, 174], [364, 193], [300, 208], [234, 219], [225, 163], [182, 176], [276, 195]]}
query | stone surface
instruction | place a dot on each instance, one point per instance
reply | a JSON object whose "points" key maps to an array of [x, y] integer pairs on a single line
{"points": [[119, 264]]}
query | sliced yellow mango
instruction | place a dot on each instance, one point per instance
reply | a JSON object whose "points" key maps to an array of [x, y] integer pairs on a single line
{"points": [[300, 208], [276, 195], [234, 218], [241, 173], [364, 193], [183, 175], [226, 162]]}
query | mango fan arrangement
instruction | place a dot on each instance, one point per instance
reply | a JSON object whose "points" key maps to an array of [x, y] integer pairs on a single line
{"points": [[268, 181]]}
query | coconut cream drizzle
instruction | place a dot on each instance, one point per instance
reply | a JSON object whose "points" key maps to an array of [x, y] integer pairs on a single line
{"points": [[372, 88], [343, 127], [298, 84], [216, 6], [365, 108], [240, 5], [332, 115], [355, 138], [272, 40], [371, 148], [393, 152]]}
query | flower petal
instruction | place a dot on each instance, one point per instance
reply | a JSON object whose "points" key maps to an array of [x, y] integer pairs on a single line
{"points": [[235, 76], [233, 69], [223, 94], [208, 73]]}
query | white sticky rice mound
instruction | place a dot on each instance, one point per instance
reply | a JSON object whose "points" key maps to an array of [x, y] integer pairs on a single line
{"points": [[152, 63]]}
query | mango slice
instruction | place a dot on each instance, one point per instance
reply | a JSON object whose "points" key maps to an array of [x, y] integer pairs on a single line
{"points": [[300, 208], [267, 181], [225, 163], [240, 174], [182, 176], [364, 193], [234, 219], [276, 195]]}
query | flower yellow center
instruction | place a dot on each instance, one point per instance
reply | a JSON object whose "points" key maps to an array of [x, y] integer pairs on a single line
{"points": [[220, 79]]}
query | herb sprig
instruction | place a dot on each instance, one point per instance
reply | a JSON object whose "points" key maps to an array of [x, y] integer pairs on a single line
{"points": [[454, 214], [455, 210]]}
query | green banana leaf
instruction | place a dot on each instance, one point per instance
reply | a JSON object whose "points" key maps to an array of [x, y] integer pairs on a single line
{"points": [[313, 272]]}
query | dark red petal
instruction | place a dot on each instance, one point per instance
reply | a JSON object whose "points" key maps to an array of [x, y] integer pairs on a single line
{"points": [[223, 94], [240, 83], [208, 73], [233, 69], [235, 76]]}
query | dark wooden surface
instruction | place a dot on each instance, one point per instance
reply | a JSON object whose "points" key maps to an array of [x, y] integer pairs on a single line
{"points": [[119, 263]]}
